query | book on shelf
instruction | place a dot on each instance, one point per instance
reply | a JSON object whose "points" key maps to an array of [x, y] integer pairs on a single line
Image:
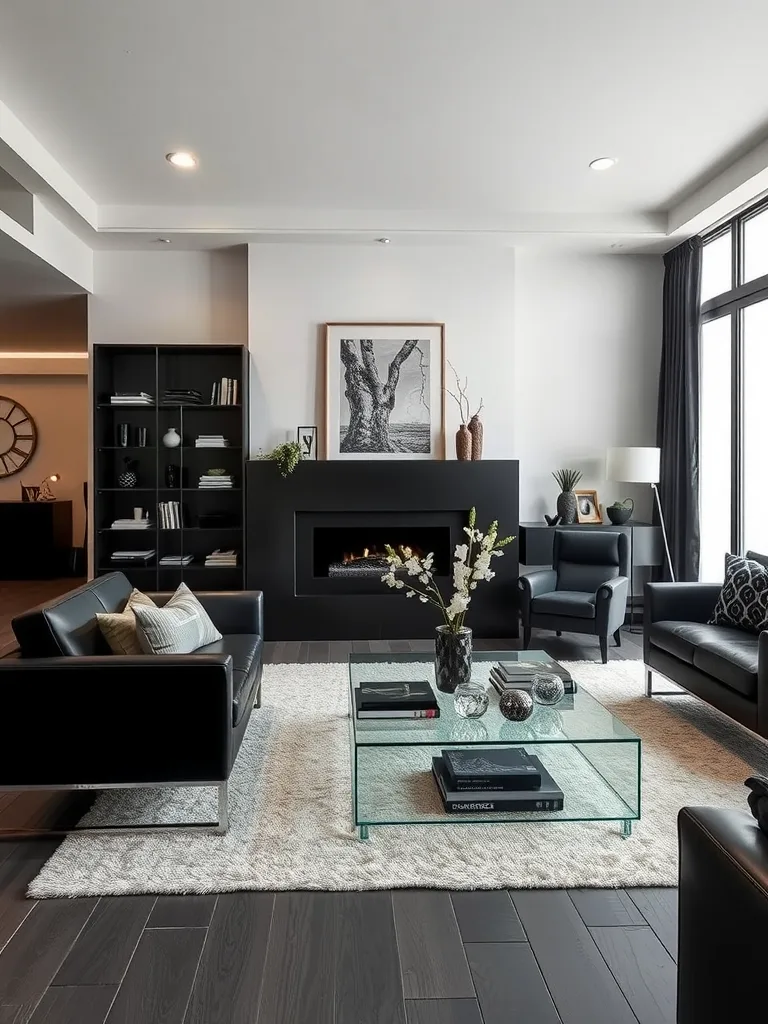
{"points": [[132, 556], [499, 768], [394, 713], [514, 670], [131, 524], [549, 797], [224, 391], [169, 515], [380, 695], [221, 559], [176, 560]]}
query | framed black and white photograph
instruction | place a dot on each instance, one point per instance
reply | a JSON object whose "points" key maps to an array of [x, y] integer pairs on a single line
{"points": [[384, 391], [307, 440], [587, 507]]}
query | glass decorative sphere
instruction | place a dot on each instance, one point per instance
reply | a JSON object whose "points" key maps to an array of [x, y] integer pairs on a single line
{"points": [[470, 700], [547, 688], [516, 705]]}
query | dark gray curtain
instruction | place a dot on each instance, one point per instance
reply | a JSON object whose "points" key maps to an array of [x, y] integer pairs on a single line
{"points": [[677, 430]]}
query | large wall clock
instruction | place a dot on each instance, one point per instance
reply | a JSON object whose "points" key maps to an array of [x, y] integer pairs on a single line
{"points": [[18, 437]]}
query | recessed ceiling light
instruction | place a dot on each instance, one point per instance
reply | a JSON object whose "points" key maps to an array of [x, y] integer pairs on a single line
{"points": [[603, 163], [383, 241], [183, 160], [163, 241]]}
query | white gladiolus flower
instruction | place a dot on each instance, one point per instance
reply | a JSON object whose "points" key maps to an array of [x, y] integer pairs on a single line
{"points": [[461, 574], [399, 584], [423, 599], [425, 579], [389, 579], [413, 566], [428, 561], [461, 552], [411, 593], [459, 603]]}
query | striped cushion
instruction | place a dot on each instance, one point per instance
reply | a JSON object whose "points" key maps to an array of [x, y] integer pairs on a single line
{"points": [[180, 627], [119, 628]]}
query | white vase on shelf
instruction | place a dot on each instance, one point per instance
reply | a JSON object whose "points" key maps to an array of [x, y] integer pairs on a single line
{"points": [[171, 438]]}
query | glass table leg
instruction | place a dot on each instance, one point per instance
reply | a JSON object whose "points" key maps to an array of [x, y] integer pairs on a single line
{"points": [[363, 835], [626, 828]]}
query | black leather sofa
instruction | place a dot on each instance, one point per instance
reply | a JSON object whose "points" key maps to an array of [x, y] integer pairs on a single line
{"points": [[726, 667], [723, 917], [76, 716]]}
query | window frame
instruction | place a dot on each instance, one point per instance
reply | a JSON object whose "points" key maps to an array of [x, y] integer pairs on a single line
{"points": [[733, 302]]}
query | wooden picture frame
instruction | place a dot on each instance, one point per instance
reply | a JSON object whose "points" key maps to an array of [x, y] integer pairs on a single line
{"points": [[404, 363], [587, 507]]}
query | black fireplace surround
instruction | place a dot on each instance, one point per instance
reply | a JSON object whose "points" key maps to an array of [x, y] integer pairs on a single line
{"points": [[315, 541]]}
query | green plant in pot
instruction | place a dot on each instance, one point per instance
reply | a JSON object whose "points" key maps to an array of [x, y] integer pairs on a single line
{"points": [[566, 500], [286, 455], [620, 512]]}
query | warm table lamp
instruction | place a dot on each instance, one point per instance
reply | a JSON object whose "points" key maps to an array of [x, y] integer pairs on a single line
{"points": [[639, 466]]}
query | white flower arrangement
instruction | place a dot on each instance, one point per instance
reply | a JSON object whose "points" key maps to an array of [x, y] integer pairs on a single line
{"points": [[472, 564]]}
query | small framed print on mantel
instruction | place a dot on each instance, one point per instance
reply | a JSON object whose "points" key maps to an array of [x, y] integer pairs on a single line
{"points": [[587, 507], [384, 396], [307, 439]]}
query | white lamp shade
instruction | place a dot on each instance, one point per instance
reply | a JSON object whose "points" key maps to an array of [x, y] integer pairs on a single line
{"points": [[633, 465]]}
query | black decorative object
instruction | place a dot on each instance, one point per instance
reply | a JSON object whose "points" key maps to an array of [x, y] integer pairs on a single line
{"points": [[516, 705], [18, 437], [453, 658], [129, 477], [567, 507], [122, 434], [620, 512], [758, 799], [172, 475], [552, 520]]}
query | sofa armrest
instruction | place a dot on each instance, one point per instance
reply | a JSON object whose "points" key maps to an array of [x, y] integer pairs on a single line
{"points": [[680, 602], [723, 919], [113, 719], [762, 683], [542, 581], [232, 611], [611, 605]]}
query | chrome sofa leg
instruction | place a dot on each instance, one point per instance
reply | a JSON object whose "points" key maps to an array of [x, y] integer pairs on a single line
{"points": [[648, 682], [223, 825]]}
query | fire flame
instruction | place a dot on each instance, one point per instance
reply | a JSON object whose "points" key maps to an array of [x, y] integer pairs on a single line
{"points": [[403, 550]]}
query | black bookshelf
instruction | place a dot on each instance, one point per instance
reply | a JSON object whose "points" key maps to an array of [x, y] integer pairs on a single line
{"points": [[210, 518]]}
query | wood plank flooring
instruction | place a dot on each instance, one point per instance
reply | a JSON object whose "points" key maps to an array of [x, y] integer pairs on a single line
{"points": [[404, 957]]}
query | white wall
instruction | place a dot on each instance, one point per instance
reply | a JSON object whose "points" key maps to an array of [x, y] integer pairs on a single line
{"points": [[295, 289], [587, 351]]}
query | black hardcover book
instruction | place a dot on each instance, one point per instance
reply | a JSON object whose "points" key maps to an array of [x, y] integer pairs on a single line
{"points": [[379, 695], [508, 769], [396, 711], [548, 798], [514, 671]]}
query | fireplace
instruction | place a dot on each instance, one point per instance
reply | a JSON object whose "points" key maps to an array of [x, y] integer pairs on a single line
{"points": [[302, 532]]}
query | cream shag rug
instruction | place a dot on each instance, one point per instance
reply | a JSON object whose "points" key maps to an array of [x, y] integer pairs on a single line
{"points": [[290, 808]]}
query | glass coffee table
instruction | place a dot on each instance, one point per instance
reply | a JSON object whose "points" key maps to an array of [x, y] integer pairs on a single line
{"points": [[593, 757]]}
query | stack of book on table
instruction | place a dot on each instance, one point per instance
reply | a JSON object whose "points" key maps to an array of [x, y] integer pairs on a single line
{"points": [[211, 441], [221, 559], [396, 699], [500, 779], [176, 559], [518, 675], [132, 556], [131, 524], [131, 398], [216, 482]]}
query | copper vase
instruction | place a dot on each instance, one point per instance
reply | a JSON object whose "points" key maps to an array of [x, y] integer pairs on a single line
{"points": [[463, 444], [476, 430]]}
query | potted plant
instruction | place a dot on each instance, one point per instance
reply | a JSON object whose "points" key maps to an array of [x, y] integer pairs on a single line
{"points": [[471, 566], [620, 512], [566, 499]]}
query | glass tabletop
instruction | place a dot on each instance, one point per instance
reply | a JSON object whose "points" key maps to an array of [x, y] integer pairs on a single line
{"points": [[578, 718]]}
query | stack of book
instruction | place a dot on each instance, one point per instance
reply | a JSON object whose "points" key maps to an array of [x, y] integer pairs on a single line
{"points": [[180, 396], [518, 675], [225, 392], [169, 515], [176, 559], [221, 559], [131, 398], [132, 556], [384, 699], [211, 441], [502, 779], [216, 481], [130, 524]]}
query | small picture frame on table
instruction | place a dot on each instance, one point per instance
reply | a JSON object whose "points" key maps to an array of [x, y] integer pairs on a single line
{"points": [[587, 507], [307, 439]]}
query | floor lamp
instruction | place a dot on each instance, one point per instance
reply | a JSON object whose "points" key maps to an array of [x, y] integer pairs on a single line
{"points": [[640, 466]]}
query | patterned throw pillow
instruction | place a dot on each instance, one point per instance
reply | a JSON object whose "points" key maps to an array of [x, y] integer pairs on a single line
{"points": [[180, 627], [743, 601], [119, 628]]}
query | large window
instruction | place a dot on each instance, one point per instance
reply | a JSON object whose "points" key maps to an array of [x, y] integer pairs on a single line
{"points": [[733, 482]]}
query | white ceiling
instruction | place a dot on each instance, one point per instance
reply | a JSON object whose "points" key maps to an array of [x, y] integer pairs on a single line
{"points": [[480, 106]]}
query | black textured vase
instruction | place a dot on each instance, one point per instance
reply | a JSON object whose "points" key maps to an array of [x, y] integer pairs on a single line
{"points": [[453, 658]]}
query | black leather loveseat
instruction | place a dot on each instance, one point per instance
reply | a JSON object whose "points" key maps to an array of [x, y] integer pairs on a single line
{"points": [[726, 667], [75, 716]]}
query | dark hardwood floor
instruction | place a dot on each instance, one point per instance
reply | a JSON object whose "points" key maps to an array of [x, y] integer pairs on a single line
{"points": [[404, 957]]}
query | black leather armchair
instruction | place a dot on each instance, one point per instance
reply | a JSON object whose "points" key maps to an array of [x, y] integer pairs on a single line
{"points": [[723, 916], [76, 716], [584, 592]]}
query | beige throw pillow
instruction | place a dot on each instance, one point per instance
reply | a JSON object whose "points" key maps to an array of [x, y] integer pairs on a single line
{"points": [[119, 628], [179, 627]]}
